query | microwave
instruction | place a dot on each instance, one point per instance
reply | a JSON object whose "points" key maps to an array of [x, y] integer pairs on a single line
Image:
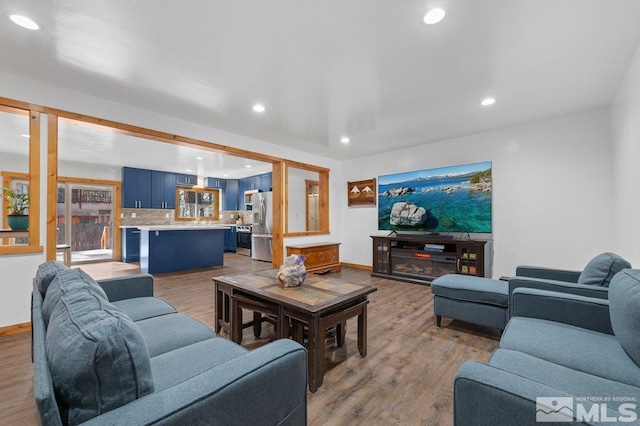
{"points": [[247, 197]]}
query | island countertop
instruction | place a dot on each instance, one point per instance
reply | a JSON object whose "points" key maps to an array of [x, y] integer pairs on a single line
{"points": [[181, 227]]}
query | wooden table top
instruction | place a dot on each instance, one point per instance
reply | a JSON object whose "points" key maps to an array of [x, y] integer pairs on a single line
{"points": [[317, 293]]}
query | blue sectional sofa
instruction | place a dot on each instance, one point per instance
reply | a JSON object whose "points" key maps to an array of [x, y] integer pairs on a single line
{"points": [[109, 352], [564, 355]]}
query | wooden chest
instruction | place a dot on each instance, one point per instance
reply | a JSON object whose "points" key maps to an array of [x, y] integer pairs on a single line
{"points": [[319, 257]]}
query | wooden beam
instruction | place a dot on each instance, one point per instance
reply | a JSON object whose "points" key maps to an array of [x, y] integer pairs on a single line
{"points": [[52, 188], [277, 185]]}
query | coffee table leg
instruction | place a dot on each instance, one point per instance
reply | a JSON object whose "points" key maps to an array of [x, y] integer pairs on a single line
{"points": [[362, 331], [282, 325], [341, 333], [316, 353], [236, 322], [218, 317], [257, 324]]}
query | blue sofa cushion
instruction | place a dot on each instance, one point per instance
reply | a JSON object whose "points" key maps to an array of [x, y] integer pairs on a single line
{"points": [[601, 269], [67, 281], [97, 356], [472, 289], [577, 348], [46, 273], [557, 376], [179, 365], [139, 308], [624, 309], [169, 332]]}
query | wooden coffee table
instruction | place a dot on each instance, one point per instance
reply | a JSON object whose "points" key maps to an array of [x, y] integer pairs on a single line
{"points": [[319, 303]]}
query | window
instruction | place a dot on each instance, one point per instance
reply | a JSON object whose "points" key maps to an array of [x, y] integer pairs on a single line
{"points": [[19, 167], [197, 204]]}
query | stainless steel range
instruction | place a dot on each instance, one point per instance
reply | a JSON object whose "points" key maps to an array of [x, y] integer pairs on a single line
{"points": [[243, 240]]}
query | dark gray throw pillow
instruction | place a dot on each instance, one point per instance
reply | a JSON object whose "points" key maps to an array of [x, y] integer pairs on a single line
{"points": [[601, 269], [97, 356], [624, 310], [67, 281], [46, 273]]}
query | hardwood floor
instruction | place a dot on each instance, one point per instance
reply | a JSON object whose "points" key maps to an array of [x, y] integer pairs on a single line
{"points": [[406, 377]]}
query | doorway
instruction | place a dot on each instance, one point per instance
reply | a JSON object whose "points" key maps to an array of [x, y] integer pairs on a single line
{"points": [[84, 220]]}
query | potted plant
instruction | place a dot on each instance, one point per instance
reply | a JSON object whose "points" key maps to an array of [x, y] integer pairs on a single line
{"points": [[17, 219]]}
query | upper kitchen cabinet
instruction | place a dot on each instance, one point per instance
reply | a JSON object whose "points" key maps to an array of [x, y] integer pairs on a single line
{"points": [[212, 182], [261, 182], [186, 180], [266, 182], [136, 188], [245, 185], [163, 190], [232, 195]]}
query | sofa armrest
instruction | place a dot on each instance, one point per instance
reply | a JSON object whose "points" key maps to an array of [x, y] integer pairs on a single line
{"points": [[486, 395], [121, 288], [548, 273], [584, 312], [265, 386], [559, 286]]}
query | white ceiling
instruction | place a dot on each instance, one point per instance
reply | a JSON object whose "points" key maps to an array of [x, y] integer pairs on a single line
{"points": [[369, 69]]}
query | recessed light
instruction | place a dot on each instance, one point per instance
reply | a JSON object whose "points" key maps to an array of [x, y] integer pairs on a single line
{"points": [[259, 108], [248, 166], [344, 139], [434, 16], [225, 175], [488, 101], [25, 136], [198, 158], [23, 21], [189, 170]]}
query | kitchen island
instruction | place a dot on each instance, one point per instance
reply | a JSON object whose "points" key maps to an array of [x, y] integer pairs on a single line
{"points": [[172, 248]]}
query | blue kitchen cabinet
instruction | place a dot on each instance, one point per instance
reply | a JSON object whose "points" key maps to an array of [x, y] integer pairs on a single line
{"points": [[231, 195], [186, 180], [244, 185], [215, 183], [130, 245], [163, 190], [169, 250], [265, 182], [230, 240], [136, 188]]}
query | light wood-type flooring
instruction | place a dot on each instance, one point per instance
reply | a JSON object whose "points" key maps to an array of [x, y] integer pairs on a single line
{"points": [[406, 377]]}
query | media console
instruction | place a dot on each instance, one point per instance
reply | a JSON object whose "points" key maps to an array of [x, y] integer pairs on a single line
{"points": [[421, 259]]}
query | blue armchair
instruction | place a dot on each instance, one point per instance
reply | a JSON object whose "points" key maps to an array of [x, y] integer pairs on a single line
{"points": [[559, 346], [592, 281]]}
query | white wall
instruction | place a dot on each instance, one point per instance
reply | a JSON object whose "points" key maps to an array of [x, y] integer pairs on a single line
{"points": [[552, 190], [626, 162]]}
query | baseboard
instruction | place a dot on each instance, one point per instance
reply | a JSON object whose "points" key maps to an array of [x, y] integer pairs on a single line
{"points": [[15, 329], [356, 266]]}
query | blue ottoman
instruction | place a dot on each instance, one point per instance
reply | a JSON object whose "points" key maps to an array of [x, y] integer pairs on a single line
{"points": [[477, 300]]}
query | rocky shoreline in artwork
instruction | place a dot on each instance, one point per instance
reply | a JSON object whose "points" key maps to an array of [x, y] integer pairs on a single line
{"points": [[483, 186], [406, 213]]}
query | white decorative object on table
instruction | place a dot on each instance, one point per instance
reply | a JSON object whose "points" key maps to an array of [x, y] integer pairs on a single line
{"points": [[292, 272]]}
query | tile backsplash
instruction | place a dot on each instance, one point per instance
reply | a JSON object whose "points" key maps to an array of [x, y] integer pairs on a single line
{"points": [[166, 217]]}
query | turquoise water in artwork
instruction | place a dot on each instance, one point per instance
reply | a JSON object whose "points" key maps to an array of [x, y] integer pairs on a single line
{"points": [[452, 204]]}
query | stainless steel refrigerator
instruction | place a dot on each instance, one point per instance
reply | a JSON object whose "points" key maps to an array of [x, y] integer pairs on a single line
{"points": [[262, 221]]}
